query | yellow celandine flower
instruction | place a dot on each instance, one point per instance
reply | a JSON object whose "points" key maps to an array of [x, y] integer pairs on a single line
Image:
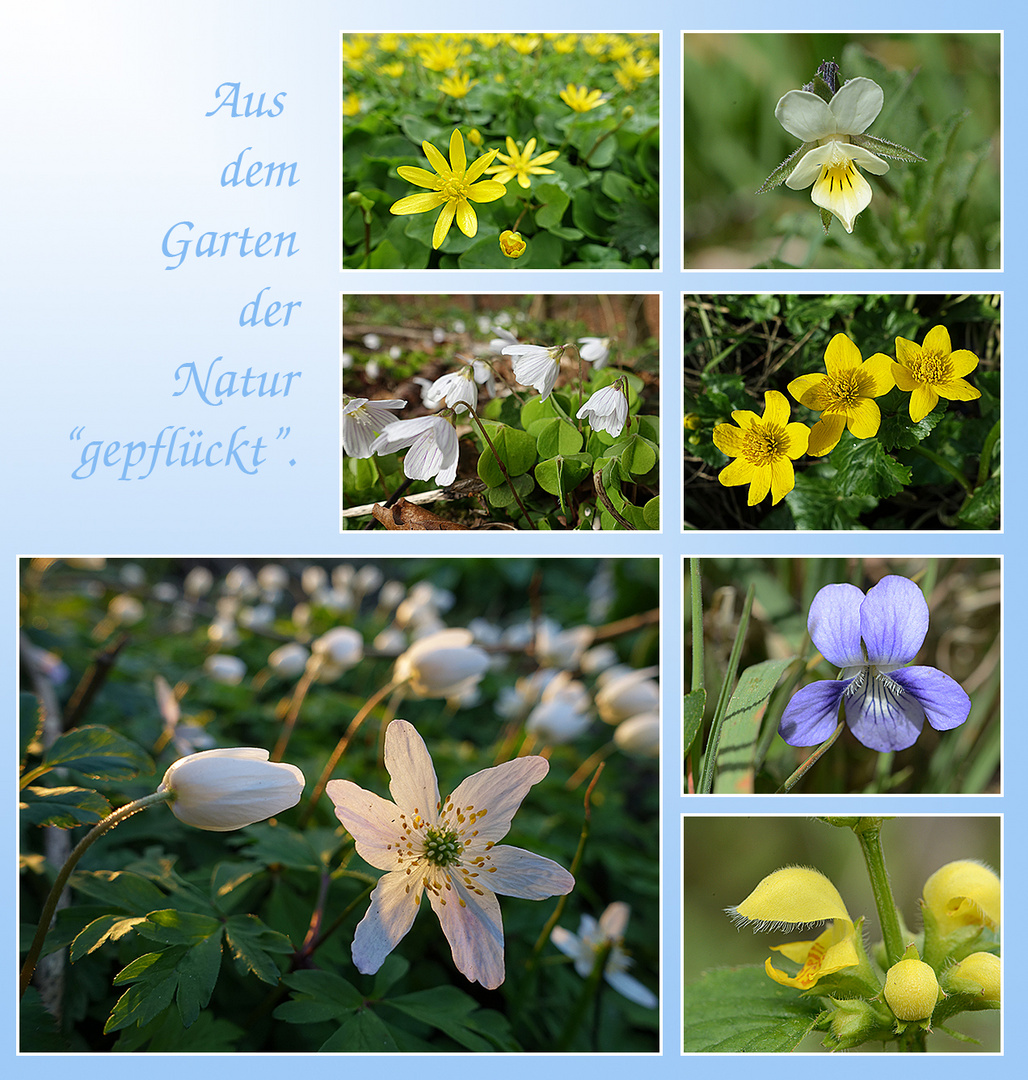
{"points": [[565, 44], [355, 51], [453, 186], [963, 893], [388, 43], [580, 98], [475, 137], [512, 244], [525, 44], [440, 56], [793, 897], [392, 70], [457, 86], [351, 105], [764, 448], [933, 370], [632, 71], [521, 164], [489, 41], [845, 395]]}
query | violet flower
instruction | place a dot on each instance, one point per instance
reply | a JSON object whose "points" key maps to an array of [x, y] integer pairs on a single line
{"points": [[872, 638]]}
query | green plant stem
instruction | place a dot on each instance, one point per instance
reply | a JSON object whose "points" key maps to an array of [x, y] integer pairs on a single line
{"points": [[985, 461], [344, 742], [946, 466], [590, 993], [696, 598], [811, 761], [94, 834], [706, 781], [869, 832], [503, 469]]}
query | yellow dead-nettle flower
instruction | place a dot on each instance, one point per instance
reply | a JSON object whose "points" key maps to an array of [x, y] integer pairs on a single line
{"points": [[963, 893], [794, 897]]}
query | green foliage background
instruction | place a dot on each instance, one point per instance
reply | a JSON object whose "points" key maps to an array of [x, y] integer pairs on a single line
{"points": [[942, 100]]}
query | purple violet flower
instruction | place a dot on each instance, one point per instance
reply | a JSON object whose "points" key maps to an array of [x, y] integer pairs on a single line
{"points": [[871, 638]]}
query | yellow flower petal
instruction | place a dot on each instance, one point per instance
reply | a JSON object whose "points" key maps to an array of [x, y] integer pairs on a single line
{"points": [[443, 222], [418, 204]]}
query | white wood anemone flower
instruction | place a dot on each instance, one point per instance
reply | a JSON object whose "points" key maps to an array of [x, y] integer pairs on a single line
{"points": [[433, 443], [446, 848], [832, 125], [592, 936], [221, 790]]}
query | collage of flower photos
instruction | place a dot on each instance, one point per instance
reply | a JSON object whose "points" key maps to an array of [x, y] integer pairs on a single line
{"points": [[863, 679]]}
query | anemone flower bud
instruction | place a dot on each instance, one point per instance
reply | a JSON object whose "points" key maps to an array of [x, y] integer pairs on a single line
{"points": [[639, 736], [225, 669], [221, 790], [628, 695], [289, 659], [442, 665], [342, 646]]}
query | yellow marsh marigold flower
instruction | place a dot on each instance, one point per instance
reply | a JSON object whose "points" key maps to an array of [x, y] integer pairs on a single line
{"points": [[798, 896], [580, 98], [763, 447], [457, 86], [351, 105], [845, 395], [933, 370], [963, 893], [512, 244], [521, 164], [454, 188]]}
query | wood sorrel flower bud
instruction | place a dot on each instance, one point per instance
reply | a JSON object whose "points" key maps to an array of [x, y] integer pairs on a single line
{"points": [[221, 790]]}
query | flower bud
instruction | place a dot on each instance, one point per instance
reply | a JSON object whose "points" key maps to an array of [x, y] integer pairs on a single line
{"points": [[288, 660], [342, 646], [225, 669], [126, 610], [963, 893], [220, 790], [911, 989], [512, 244], [442, 665], [639, 736], [628, 695], [975, 974]]}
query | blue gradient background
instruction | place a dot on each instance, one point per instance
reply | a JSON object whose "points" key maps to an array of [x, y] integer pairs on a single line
{"points": [[105, 145]]}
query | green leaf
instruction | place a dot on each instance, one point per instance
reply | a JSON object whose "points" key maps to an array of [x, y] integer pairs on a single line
{"points": [[446, 1008], [251, 942], [197, 975], [742, 726], [692, 710], [98, 752], [30, 722], [636, 455], [817, 503], [154, 981], [555, 201], [121, 889], [363, 1033], [318, 996], [561, 474], [651, 513], [62, 807], [742, 1010], [865, 469], [502, 497], [899, 432], [173, 927], [516, 450], [99, 931], [982, 510], [554, 437]]}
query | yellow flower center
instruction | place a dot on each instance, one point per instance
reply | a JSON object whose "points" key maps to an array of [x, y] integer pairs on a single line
{"points": [[930, 367], [455, 188], [764, 444], [839, 173], [811, 969], [842, 392]]}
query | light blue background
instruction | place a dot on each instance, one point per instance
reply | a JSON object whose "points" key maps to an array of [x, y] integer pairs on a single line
{"points": [[105, 145]]}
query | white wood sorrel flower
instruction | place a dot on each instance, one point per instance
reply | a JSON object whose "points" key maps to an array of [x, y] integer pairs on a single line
{"points": [[221, 790], [446, 848]]}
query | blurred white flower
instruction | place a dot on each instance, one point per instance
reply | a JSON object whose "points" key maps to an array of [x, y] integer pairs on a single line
{"points": [[562, 713], [288, 660], [225, 669], [223, 633], [594, 350], [126, 610], [363, 420], [559, 648], [442, 665], [220, 790], [371, 341], [198, 582], [343, 646], [433, 443], [639, 735], [273, 578], [591, 938], [628, 695]]}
